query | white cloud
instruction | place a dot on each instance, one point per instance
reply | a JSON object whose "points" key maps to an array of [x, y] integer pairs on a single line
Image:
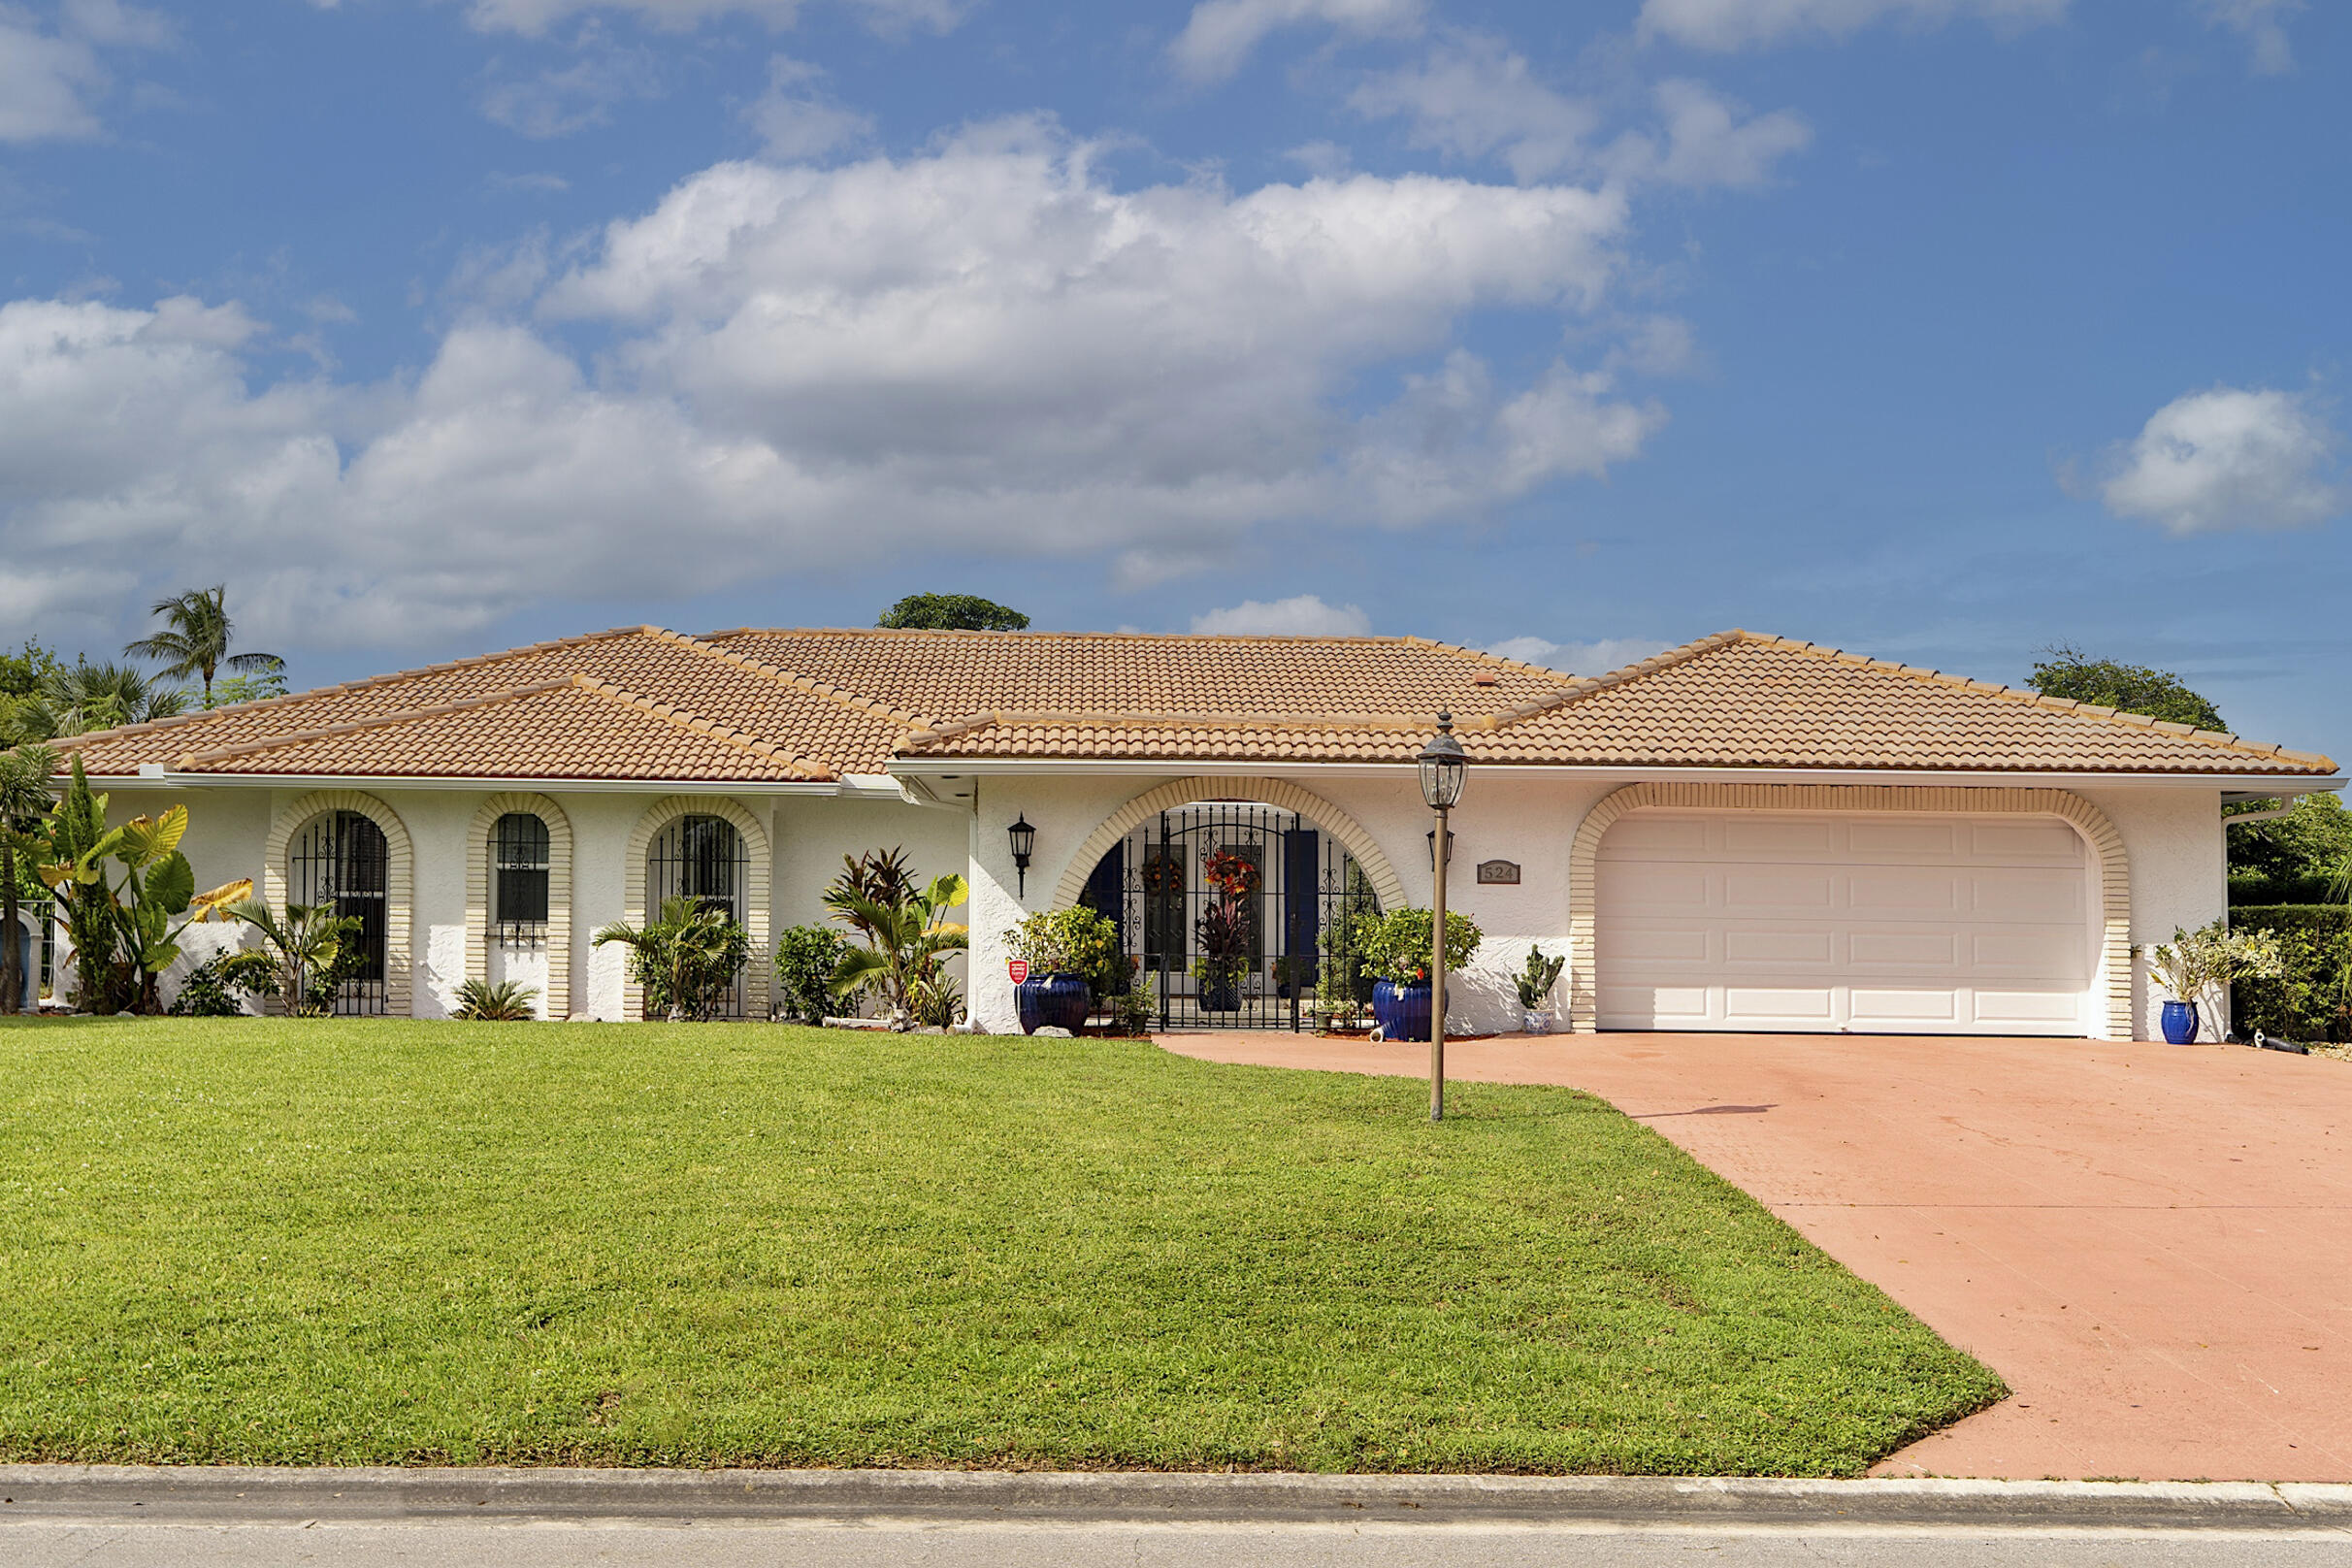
{"points": [[2262, 22], [797, 120], [1305, 615], [1705, 142], [2228, 459], [1731, 25], [983, 347], [533, 16], [46, 84], [1474, 97], [560, 101], [1597, 658], [1221, 34]]}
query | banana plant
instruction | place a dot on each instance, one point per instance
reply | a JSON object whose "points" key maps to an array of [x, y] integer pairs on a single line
{"points": [[123, 932], [159, 886]]}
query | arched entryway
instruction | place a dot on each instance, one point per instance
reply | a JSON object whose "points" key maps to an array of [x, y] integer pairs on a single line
{"points": [[351, 852], [1233, 899], [710, 849]]}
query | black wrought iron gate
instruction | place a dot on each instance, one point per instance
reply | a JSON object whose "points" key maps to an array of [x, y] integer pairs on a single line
{"points": [[343, 860], [1233, 912]]}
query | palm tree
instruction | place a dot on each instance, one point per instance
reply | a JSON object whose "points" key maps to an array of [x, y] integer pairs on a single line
{"points": [[198, 642], [301, 952], [74, 701], [906, 940], [685, 958], [25, 798]]}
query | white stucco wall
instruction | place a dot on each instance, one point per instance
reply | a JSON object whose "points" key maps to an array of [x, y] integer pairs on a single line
{"points": [[2180, 873], [2173, 835]]}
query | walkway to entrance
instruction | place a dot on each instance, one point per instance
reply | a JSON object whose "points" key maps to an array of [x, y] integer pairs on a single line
{"points": [[2151, 1244]]}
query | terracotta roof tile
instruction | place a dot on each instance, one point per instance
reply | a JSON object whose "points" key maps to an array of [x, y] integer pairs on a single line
{"points": [[644, 703]]}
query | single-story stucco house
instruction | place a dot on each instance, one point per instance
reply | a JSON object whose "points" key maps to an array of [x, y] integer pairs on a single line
{"points": [[1746, 832]]}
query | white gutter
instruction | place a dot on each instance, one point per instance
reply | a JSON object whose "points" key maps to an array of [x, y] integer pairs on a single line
{"points": [[2257, 786]]}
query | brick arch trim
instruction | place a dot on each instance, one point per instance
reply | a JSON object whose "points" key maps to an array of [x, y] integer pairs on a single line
{"points": [[2107, 844], [400, 878], [559, 893], [1273, 791], [661, 814]]}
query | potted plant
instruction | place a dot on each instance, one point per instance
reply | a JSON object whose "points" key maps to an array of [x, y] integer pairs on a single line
{"points": [[1535, 983], [1395, 949], [1073, 956], [1227, 929], [2195, 963]]}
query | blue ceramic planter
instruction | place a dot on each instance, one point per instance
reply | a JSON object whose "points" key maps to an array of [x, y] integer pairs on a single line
{"points": [[1402, 1012], [2181, 1021], [1058, 999]]}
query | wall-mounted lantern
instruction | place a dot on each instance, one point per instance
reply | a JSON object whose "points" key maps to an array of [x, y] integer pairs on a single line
{"points": [[1024, 844]]}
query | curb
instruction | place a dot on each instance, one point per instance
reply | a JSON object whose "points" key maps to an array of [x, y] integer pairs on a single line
{"points": [[222, 1494]]}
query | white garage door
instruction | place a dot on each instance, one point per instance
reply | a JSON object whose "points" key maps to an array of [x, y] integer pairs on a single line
{"points": [[1926, 924]]}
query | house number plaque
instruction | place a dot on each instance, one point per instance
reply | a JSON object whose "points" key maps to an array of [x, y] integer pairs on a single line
{"points": [[1502, 871]]}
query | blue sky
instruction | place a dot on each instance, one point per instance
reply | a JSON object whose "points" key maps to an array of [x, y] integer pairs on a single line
{"points": [[1936, 329]]}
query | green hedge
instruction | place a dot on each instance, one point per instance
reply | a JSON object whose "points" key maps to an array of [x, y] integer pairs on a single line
{"points": [[2255, 888], [2311, 1000]]}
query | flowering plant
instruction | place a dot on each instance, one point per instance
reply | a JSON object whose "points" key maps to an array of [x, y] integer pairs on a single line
{"points": [[1229, 873]]}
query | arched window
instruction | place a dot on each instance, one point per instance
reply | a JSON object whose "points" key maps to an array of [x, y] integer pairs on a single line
{"points": [[700, 858], [519, 863], [342, 859]]}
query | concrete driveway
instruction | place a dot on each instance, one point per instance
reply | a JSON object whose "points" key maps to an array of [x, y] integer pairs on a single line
{"points": [[2151, 1244]]}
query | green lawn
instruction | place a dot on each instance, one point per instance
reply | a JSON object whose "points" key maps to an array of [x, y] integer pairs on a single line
{"points": [[247, 1241]]}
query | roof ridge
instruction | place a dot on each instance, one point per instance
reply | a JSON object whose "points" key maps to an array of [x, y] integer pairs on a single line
{"points": [[314, 693], [379, 721], [689, 720], [2219, 739], [873, 707], [1384, 638], [1100, 719], [1583, 686]]}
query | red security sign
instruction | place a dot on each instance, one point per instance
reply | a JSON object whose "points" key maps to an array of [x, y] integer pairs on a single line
{"points": [[1018, 968]]}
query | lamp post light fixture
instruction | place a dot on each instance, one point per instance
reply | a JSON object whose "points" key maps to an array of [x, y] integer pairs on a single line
{"points": [[1443, 764], [1024, 844]]}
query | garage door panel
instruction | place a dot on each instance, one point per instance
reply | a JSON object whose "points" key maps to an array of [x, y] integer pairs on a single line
{"points": [[2028, 893], [1802, 921], [2056, 952], [2050, 843], [1772, 838], [1640, 833], [1659, 944], [1907, 840], [2028, 1007], [1897, 888], [1788, 946], [1895, 948], [1755, 890], [1904, 1008]]}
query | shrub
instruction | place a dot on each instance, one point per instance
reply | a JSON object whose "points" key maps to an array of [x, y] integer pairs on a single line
{"points": [[686, 961], [509, 1001], [807, 958], [1396, 945], [1072, 941], [935, 1001], [1134, 1010], [2311, 997], [209, 990]]}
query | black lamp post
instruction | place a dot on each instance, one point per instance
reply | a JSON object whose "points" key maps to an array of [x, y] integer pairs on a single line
{"points": [[1443, 764], [1025, 843]]}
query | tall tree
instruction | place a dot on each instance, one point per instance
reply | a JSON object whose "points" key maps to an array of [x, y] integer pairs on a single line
{"points": [[197, 639], [953, 613], [84, 696], [25, 800], [2066, 670]]}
